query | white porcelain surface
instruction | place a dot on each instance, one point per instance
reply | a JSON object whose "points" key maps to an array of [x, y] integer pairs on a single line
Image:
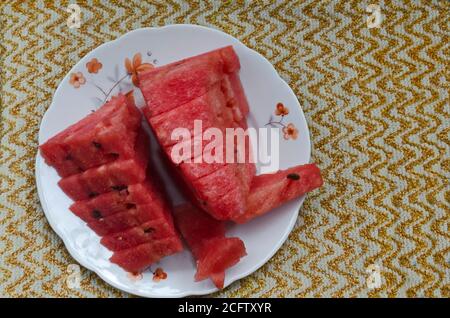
{"points": [[264, 89]]}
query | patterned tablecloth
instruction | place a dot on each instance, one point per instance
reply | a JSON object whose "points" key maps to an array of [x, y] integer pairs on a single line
{"points": [[377, 103]]}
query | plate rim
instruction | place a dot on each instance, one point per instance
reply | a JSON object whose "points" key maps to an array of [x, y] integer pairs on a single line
{"points": [[78, 258]]}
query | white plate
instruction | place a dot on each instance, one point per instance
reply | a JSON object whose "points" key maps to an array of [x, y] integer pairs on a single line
{"points": [[264, 89]]}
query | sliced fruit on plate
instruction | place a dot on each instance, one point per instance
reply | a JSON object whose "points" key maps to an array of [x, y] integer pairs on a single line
{"points": [[116, 201], [139, 258], [127, 219], [207, 109], [119, 198], [205, 236], [212, 189], [113, 176], [218, 254], [195, 94], [172, 85], [146, 232], [101, 137], [269, 191]]}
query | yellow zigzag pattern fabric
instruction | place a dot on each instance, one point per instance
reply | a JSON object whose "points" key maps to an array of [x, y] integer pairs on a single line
{"points": [[377, 104]]}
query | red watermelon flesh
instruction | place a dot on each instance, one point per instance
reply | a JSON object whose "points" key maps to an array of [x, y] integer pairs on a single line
{"points": [[208, 108], [126, 219], [138, 258], [221, 189], [212, 188], [92, 141], [218, 279], [218, 254], [53, 150], [112, 176], [215, 109], [146, 232], [234, 179], [196, 167], [116, 201], [269, 191], [206, 239], [223, 192], [196, 226], [237, 101], [113, 202], [112, 138], [172, 85]]}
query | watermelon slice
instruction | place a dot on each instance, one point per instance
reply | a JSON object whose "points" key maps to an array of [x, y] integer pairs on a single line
{"points": [[172, 85], [128, 218], [208, 108], [237, 101], [218, 254], [116, 201], [206, 239], [112, 176], [146, 232], [218, 101], [138, 258], [211, 189], [269, 191], [94, 140]]}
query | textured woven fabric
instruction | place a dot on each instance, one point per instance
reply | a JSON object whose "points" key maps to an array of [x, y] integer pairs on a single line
{"points": [[376, 101]]}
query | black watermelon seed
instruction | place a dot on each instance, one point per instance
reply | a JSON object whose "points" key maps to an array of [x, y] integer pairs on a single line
{"points": [[149, 230], [293, 176], [96, 214], [130, 206], [68, 157], [97, 144], [93, 194], [119, 187]]}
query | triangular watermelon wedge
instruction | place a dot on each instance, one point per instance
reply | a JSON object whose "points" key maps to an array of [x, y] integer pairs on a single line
{"points": [[205, 87], [172, 85], [269, 191], [112, 176], [205, 236], [103, 136], [218, 254]]}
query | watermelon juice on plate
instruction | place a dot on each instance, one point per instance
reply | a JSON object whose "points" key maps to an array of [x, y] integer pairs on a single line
{"points": [[193, 73]]}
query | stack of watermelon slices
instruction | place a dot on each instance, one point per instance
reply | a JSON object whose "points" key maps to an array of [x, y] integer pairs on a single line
{"points": [[207, 88], [104, 164], [103, 160]]}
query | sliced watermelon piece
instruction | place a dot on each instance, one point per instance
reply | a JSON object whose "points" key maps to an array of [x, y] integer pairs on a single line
{"points": [[127, 219], [112, 138], [206, 239], [211, 189], [146, 232], [219, 101], [116, 201], [212, 183], [237, 101], [218, 254], [269, 191], [196, 226], [112, 176], [138, 258], [218, 279], [93, 140], [207, 108], [172, 85], [54, 151]]}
